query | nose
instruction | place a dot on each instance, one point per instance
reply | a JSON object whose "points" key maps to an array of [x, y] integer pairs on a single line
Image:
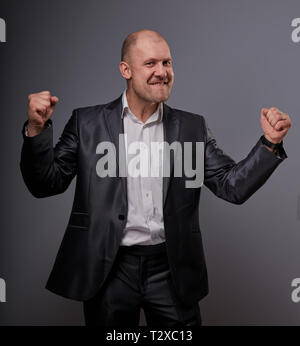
{"points": [[161, 71]]}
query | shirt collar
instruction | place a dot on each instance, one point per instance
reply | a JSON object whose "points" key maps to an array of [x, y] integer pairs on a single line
{"points": [[125, 108]]}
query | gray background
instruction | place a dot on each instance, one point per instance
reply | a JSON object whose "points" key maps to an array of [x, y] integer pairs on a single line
{"points": [[230, 58]]}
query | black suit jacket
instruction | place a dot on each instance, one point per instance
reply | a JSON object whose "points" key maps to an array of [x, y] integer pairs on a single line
{"points": [[99, 211]]}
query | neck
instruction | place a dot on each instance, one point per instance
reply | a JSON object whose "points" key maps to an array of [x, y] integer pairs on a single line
{"points": [[140, 108]]}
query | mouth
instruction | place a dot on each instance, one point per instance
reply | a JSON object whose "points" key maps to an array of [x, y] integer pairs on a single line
{"points": [[160, 83]]}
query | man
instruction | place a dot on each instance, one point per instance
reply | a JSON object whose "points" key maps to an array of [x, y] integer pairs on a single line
{"points": [[134, 241]]}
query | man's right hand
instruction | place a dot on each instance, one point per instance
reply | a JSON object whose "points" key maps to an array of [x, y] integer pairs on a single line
{"points": [[40, 108]]}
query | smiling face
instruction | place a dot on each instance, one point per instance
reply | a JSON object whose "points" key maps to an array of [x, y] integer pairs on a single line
{"points": [[148, 68]]}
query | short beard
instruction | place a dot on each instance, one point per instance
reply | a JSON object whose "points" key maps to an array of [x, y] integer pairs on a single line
{"points": [[152, 100]]}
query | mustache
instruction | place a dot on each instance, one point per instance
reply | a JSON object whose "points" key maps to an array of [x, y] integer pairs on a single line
{"points": [[153, 80], [161, 80]]}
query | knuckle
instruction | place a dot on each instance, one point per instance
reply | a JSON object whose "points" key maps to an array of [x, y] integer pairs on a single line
{"points": [[31, 104]]}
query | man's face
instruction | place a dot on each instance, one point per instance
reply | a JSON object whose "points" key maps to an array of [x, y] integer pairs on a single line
{"points": [[151, 68]]}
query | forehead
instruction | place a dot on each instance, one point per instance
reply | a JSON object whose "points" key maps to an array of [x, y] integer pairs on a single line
{"points": [[151, 47]]}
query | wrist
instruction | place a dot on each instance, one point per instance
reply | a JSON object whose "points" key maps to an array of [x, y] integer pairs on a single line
{"points": [[271, 146], [272, 150], [271, 140], [33, 130]]}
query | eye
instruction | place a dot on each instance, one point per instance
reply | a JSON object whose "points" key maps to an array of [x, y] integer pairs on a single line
{"points": [[150, 63], [168, 62]]}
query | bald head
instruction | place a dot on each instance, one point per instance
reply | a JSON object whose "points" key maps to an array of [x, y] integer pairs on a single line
{"points": [[132, 39]]}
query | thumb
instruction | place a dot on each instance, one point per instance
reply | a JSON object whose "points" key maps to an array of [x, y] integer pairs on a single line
{"points": [[264, 111], [53, 101], [50, 110]]}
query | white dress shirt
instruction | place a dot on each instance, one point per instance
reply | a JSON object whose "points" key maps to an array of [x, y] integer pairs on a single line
{"points": [[145, 224]]}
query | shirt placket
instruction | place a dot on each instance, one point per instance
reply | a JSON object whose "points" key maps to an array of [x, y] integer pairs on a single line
{"points": [[146, 181]]}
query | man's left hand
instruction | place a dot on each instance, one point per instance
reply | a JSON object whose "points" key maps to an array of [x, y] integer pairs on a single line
{"points": [[275, 124]]}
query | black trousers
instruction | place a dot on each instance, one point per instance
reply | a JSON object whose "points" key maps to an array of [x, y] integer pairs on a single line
{"points": [[140, 278]]}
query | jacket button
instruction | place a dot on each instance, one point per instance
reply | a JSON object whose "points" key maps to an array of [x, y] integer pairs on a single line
{"points": [[121, 217]]}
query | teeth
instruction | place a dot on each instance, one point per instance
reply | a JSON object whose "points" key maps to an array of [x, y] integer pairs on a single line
{"points": [[159, 83]]}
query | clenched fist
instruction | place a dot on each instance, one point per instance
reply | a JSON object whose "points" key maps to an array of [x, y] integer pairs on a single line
{"points": [[275, 124], [40, 108]]}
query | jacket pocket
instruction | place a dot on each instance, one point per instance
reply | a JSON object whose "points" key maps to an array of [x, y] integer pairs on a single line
{"points": [[79, 220]]}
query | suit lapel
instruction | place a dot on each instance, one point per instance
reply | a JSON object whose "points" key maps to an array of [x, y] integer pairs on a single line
{"points": [[171, 134], [115, 127]]}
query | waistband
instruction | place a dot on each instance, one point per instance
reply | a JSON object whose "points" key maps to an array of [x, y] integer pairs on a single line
{"points": [[144, 250]]}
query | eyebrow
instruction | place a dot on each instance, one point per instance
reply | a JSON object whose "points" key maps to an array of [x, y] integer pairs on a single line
{"points": [[154, 59]]}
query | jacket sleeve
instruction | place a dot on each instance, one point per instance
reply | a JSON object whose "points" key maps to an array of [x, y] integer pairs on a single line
{"points": [[48, 171], [236, 182]]}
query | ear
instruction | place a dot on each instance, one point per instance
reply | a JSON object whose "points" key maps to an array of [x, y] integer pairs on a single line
{"points": [[125, 70]]}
